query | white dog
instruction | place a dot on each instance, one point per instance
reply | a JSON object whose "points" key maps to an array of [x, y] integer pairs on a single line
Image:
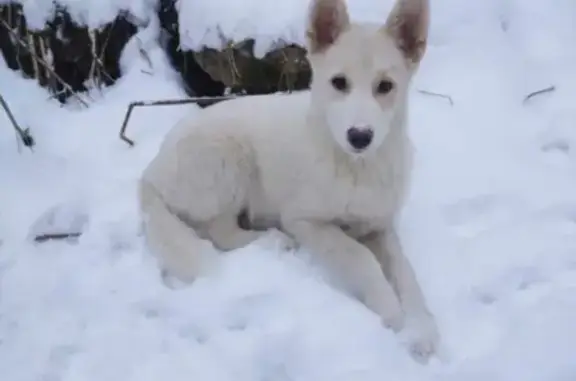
{"points": [[328, 167]]}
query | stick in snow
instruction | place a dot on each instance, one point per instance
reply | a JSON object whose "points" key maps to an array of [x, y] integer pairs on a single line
{"points": [[447, 97], [23, 134], [200, 101], [55, 236], [539, 92]]}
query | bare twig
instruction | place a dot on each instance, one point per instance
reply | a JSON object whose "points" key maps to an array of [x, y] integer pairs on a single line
{"points": [[93, 65], [97, 63], [447, 97], [56, 94], [102, 49], [55, 236], [43, 63], [200, 101], [16, 35], [538, 92], [102, 69], [34, 54], [143, 53], [23, 134], [47, 57]]}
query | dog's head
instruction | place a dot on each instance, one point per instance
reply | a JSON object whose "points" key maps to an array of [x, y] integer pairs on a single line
{"points": [[361, 73]]}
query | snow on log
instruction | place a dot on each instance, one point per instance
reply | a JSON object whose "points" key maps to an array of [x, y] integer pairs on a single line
{"points": [[196, 80], [266, 63], [72, 46], [64, 53]]}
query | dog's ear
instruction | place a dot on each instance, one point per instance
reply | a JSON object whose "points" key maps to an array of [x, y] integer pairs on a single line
{"points": [[327, 19], [408, 25]]}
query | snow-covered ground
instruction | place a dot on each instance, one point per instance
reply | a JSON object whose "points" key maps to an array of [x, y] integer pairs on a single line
{"points": [[490, 228]]}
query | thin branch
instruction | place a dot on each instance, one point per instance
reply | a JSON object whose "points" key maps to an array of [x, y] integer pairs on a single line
{"points": [[97, 63], [55, 236], [92, 71], [23, 134], [102, 69], [48, 59], [56, 94], [34, 54], [200, 101], [538, 92], [43, 63], [143, 53], [447, 97]]}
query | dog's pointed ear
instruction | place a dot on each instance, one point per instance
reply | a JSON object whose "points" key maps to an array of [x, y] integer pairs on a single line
{"points": [[327, 19], [408, 25]]}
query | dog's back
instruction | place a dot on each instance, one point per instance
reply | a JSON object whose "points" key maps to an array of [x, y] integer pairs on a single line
{"points": [[243, 115], [245, 127], [219, 145]]}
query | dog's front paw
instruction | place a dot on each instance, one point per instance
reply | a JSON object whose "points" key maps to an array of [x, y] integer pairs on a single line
{"points": [[393, 319], [422, 339], [171, 281], [274, 239]]}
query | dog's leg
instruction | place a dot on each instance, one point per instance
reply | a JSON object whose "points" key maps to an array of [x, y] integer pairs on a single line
{"points": [[420, 325], [353, 263], [225, 233]]}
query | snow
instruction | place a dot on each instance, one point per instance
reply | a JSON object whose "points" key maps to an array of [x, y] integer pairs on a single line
{"points": [[215, 23], [490, 225]]}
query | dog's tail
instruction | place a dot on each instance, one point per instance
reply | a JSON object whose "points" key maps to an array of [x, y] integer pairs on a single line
{"points": [[180, 252]]}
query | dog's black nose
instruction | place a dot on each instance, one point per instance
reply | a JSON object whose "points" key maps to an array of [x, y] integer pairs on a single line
{"points": [[360, 138]]}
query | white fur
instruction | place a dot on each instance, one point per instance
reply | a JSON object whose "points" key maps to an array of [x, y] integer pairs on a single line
{"points": [[286, 160]]}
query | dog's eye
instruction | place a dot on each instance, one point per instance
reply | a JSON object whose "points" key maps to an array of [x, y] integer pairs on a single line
{"points": [[340, 83], [384, 86]]}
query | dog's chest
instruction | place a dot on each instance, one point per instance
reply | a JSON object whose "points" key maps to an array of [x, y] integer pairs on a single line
{"points": [[365, 200], [360, 198], [330, 188]]}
